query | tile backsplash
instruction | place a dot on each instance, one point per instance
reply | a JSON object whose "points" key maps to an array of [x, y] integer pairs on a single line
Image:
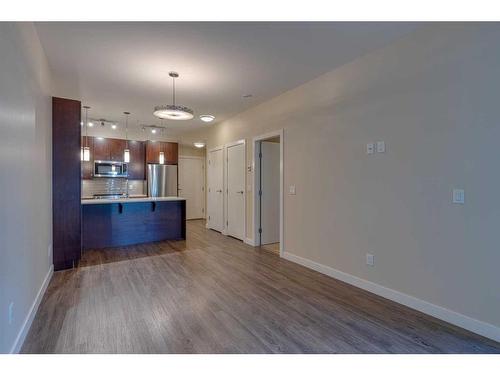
{"points": [[112, 186]]}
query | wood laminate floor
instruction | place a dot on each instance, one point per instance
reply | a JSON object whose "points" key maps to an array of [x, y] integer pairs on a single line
{"points": [[214, 294]]}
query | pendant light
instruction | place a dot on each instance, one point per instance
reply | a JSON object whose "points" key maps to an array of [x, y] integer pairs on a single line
{"points": [[161, 157], [85, 151], [173, 111], [126, 152]]}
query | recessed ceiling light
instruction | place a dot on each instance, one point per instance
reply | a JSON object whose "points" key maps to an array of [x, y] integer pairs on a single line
{"points": [[207, 118], [199, 144], [90, 124], [153, 131], [246, 96], [113, 126]]}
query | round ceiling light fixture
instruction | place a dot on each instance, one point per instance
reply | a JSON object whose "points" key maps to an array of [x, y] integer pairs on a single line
{"points": [[207, 118], [199, 144], [173, 111]]}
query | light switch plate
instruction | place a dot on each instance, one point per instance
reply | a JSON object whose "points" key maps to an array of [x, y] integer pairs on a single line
{"points": [[10, 317], [370, 148], [459, 196], [381, 146], [291, 190], [370, 259]]}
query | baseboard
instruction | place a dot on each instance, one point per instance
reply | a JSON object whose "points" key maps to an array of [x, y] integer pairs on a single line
{"points": [[249, 241], [21, 336], [481, 328]]}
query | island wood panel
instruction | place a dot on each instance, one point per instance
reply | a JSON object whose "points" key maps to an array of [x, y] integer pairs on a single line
{"points": [[119, 224], [66, 187]]}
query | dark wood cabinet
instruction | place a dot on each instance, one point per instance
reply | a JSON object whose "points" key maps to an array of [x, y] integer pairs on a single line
{"points": [[66, 187], [153, 149], [88, 166], [169, 149], [101, 149], [137, 164], [116, 149], [108, 149]]}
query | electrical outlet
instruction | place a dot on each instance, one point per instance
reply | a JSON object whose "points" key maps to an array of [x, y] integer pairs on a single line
{"points": [[370, 259], [291, 190], [11, 312]]}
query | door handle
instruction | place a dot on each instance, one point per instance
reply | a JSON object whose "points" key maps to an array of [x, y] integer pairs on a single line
{"points": [[219, 191], [240, 192]]}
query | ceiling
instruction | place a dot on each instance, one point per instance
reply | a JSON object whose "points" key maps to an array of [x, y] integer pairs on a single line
{"points": [[123, 66]]}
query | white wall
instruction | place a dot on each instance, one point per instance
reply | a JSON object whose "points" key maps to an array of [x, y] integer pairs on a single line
{"points": [[433, 97], [185, 150], [25, 177]]}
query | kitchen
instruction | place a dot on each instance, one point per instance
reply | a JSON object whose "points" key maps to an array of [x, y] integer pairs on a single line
{"points": [[127, 188]]}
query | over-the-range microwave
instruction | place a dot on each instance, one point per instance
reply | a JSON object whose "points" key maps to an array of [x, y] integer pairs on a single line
{"points": [[110, 169]]}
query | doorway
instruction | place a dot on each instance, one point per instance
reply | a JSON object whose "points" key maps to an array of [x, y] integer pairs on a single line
{"points": [[268, 191], [192, 185], [215, 185], [235, 191]]}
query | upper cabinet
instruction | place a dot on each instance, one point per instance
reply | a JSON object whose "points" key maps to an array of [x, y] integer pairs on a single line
{"points": [[153, 149], [108, 149], [170, 151], [141, 153], [136, 166]]}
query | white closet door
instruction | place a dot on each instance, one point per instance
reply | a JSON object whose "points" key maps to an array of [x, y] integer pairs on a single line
{"points": [[191, 186], [215, 185], [270, 196], [236, 191]]}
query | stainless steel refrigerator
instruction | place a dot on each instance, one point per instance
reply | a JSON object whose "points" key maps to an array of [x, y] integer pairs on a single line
{"points": [[162, 180]]}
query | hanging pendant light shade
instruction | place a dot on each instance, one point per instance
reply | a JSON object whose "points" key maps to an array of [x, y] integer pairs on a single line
{"points": [[85, 151], [126, 152], [173, 111]]}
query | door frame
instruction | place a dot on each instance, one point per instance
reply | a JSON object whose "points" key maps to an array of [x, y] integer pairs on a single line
{"points": [[225, 189], [255, 167], [203, 159], [218, 148]]}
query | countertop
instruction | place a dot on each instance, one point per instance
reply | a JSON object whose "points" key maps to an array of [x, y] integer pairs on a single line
{"points": [[131, 200]]}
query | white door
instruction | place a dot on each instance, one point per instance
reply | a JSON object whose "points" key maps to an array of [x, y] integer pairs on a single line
{"points": [[270, 196], [235, 222], [191, 186], [215, 184]]}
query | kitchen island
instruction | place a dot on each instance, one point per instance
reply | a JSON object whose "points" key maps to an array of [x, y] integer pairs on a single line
{"points": [[129, 221]]}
